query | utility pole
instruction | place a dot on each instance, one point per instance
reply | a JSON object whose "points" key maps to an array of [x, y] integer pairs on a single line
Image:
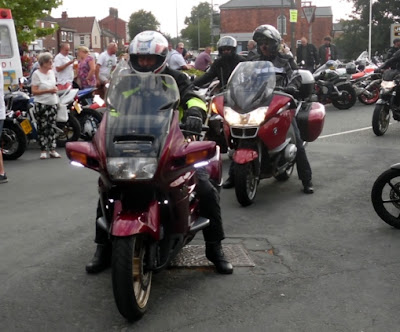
{"points": [[212, 24], [293, 29]]}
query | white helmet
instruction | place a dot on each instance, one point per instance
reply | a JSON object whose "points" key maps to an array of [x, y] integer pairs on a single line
{"points": [[149, 43]]}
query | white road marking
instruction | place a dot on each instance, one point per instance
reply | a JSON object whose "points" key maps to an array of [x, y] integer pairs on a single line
{"points": [[347, 132]]}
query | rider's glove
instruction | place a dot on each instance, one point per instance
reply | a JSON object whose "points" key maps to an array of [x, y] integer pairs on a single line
{"points": [[291, 90], [194, 119]]}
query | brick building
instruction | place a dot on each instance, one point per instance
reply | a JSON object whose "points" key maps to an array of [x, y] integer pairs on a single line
{"points": [[239, 18], [114, 28]]}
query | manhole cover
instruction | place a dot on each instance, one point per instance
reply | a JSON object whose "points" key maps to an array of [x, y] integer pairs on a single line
{"points": [[194, 255]]}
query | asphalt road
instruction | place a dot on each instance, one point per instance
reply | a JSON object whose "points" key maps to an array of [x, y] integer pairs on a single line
{"points": [[323, 262]]}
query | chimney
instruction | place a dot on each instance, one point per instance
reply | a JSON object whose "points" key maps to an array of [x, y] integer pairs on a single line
{"points": [[64, 15], [114, 12]]}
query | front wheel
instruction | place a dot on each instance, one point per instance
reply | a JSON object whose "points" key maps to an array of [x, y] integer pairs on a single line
{"points": [[13, 141], [347, 98], [380, 119], [372, 97], [71, 131], [246, 183], [385, 196], [130, 279]]}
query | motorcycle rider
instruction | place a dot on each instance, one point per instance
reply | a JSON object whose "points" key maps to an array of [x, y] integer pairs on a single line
{"points": [[268, 40], [392, 50], [222, 69], [148, 51]]}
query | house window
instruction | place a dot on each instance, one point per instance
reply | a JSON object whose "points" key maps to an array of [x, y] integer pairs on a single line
{"points": [[42, 24], [70, 36], [82, 40], [63, 36], [52, 25], [95, 40], [281, 24]]}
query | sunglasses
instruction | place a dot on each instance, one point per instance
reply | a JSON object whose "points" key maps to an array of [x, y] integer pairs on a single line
{"points": [[226, 48]]}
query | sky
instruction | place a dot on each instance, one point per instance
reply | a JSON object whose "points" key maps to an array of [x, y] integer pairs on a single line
{"points": [[166, 11]]}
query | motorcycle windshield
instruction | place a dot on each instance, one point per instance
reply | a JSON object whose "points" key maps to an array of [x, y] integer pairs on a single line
{"points": [[140, 111], [251, 85]]}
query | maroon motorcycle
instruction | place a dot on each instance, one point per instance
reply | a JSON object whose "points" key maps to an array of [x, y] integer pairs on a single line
{"points": [[258, 124], [147, 182]]}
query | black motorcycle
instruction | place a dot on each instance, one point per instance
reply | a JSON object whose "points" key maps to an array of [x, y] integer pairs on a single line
{"points": [[13, 136], [387, 102], [385, 196], [333, 87]]}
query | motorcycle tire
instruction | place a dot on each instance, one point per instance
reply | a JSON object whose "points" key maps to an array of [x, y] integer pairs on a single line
{"points": [[246, 183], [372, 100], [348, 98], [13, 141], [71, 131], [89, 121], [131, 282], [380, 119], [385, 197]]}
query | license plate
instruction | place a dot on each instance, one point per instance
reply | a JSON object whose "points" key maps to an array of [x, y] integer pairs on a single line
{"points": [[77, 107], [26, 126]]}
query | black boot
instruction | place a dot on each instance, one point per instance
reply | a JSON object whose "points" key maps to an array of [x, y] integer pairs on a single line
{"points": [[308, 187], [229, 183], [101, 259], [215, 254]]}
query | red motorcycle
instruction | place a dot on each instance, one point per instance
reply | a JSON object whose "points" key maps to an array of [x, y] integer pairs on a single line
{"points": [[147, 182], [258, 124]]}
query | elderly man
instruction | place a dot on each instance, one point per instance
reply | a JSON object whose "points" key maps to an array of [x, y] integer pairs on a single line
{"points": [[104, 67], [176, 60], [308, 53], [203, 60], [252, 48], [63, 65]]}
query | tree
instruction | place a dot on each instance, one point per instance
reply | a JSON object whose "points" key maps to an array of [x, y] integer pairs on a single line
{"points": [[356, 31], [25, 13], [141, 21], [198, 24]]}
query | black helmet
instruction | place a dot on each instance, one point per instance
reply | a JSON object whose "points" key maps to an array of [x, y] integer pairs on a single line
{"points": [[227, 42], [149, 43], [351, 68], [268, 35]]}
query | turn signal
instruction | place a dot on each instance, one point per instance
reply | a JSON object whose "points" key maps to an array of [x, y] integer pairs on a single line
{"points": [[78, 157], [194, 157]]}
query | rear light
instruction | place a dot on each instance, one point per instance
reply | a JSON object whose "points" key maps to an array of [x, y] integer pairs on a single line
{"points": [[18, 114]]}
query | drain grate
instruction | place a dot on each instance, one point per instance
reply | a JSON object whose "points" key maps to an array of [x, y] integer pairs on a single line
{"points": [[194, 256]]}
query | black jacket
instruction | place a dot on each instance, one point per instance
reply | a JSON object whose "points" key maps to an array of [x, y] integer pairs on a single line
{"points": [[312, 57], [391, 52], [322, 53], [393, 62], [222, 68]]}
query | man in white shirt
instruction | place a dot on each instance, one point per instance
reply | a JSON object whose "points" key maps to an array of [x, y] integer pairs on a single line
{"points": [[104, 67], [63, 68], [176, 60]]}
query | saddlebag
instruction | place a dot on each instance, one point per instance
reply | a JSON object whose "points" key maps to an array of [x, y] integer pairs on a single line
{"points": [[310, 120]]}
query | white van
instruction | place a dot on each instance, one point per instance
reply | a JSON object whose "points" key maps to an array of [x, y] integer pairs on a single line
{"points": [[10, 59]]}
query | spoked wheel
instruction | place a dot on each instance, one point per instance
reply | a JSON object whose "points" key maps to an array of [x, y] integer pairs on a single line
{"points": [[131, 281], [347, 99], [385, 197], [71, 131], [13, 141], [246, 183], [372, 98], [380, 119]]}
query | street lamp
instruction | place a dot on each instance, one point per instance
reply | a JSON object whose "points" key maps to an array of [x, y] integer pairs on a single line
{"points": [[370, 29]]}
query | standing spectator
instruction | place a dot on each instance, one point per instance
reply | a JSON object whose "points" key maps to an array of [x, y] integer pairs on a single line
{"points": [[45, 91], [393, 49], [3, 176], [176, 60], [203, 60], [105, 65], [63, 65], [86, 69], [308, 53], [327, 51], [285, 49], [252, 48], [170, 50]]}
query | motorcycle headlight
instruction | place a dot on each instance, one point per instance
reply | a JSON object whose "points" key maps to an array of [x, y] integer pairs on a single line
{"points": [[131, 168], [253, 118], [388, 85]]}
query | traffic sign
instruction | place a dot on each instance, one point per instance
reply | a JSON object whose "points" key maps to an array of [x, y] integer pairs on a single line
{"points": [[309, 13]]}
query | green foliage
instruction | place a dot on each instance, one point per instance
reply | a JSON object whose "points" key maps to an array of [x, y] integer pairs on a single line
{"points": [[198, 25], [356, 31], [25, 13], [140, 21]]}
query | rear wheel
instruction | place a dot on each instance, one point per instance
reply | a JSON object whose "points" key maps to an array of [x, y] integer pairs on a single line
{"points": [[385, 196], [13, 141], [372, 98], [380, 119], [131, 281], [347, 99], [71, 131], [246, 183]]}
